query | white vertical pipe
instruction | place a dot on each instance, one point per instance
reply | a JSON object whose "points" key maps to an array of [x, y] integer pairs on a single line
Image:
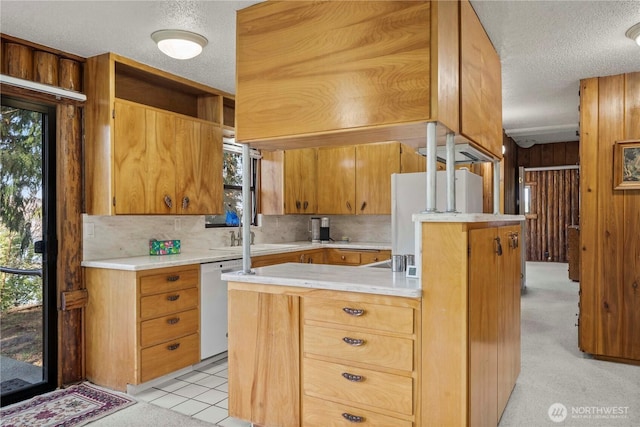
{"points": [[246, 209], [431, 167], [496, 187], [451, 173]]}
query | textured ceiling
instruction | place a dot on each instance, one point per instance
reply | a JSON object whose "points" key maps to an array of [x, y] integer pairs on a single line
{"points": [[546, 47]]}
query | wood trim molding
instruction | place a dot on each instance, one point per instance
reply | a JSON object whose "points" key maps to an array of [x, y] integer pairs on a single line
{"points": [[71, 300]]}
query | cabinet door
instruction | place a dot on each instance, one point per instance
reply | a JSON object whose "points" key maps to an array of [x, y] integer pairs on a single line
{"points": [[199, 166], [264, 260], [264, 358], [508, 314], [300, 181], [336, 180], [483, 327], [374, 165], [480, 84], [321, 70], [143, 153], [313, 257]]}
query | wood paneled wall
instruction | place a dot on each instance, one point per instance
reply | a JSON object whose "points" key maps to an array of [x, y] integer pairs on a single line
{"points": [[554, 206], [545, 155], [29, 61], [609, 325], [510, 175]]}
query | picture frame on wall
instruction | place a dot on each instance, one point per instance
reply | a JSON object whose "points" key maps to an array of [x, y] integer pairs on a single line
{"points": [[626, 165]]}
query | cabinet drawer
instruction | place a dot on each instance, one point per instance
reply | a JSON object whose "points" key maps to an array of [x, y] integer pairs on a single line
{"points": [[168, 327], [168, 357], [337, 256], [376, 389], [374, 256], [169, 281], [365, 315], [321, 413], [168, 302], [389, 352]]}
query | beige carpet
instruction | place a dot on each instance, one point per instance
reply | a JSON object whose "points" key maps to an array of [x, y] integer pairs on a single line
{"points": [[555, 371], [145, 414]]}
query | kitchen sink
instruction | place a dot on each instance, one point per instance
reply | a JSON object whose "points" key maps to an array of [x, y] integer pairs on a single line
{"points": [[380, 264], [258, 247]]}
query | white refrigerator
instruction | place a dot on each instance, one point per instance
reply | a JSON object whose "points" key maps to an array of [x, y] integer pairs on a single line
{"points": [[409, 196]]}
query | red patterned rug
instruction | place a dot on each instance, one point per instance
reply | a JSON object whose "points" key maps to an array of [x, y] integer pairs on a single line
{"points": [[72, 406]]}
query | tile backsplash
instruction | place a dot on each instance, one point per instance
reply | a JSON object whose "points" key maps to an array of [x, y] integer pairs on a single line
{"points": [[128, 235]]}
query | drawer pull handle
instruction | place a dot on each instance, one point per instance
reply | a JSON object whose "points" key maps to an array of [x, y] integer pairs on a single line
{"points": [[352, 418], [353, 341], [353, 311], [173, 278], [352, 377], [173, 346], [173, 320], [173, 297]]}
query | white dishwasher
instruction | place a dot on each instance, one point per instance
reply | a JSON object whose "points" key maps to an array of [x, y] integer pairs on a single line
{"points": [[213, 306]]}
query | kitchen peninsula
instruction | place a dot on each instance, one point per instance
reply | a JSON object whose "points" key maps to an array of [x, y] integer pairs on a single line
{"points": [[317, 345]]}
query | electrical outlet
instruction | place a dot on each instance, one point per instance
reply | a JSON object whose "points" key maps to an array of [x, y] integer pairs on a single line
{"points": [[89, 229], [176, 224]]}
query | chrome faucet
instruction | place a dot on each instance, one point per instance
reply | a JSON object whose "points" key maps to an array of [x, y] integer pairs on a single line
{"points": [[236, 241]]}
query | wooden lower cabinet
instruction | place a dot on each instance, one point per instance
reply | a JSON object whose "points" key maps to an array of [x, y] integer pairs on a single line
{"points": [[313, 256], [141, 325], [354, 385], [494, 318], [355, 257], [322, 413], [315, 357], [264, 357], [303, 357], [509, 351], [471, 359], [324, 256]]}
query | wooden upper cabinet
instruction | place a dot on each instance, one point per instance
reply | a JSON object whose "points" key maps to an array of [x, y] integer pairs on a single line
{"points": [[143, 154], [374, 165], [339, 66], [378, 71], [153, 140], [337, 180], [334, 180], [198, 166], [300, 181], [288, 182], [357, 179], [480, 84]]}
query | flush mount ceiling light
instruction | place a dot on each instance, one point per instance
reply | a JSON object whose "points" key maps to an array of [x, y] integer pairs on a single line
{"points": [[634, 33], [179, 44]]}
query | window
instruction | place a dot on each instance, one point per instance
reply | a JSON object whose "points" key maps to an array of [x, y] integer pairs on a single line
{"points": [[527, 199], [232, 209]]}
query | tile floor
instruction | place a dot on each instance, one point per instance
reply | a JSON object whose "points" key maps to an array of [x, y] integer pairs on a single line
{"points": [[201, 394]]}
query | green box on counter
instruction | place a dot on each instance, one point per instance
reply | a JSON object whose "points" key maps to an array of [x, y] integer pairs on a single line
{"points": [[164, 247]]}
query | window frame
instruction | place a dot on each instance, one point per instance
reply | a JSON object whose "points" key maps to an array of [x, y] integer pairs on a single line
{"points": [[232, 147]]}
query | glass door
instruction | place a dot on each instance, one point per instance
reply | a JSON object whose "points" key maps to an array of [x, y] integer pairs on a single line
{"points": [[28, 330]]}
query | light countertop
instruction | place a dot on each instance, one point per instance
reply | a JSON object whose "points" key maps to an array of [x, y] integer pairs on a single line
{"points": [[368, 280], [147, 262]]}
